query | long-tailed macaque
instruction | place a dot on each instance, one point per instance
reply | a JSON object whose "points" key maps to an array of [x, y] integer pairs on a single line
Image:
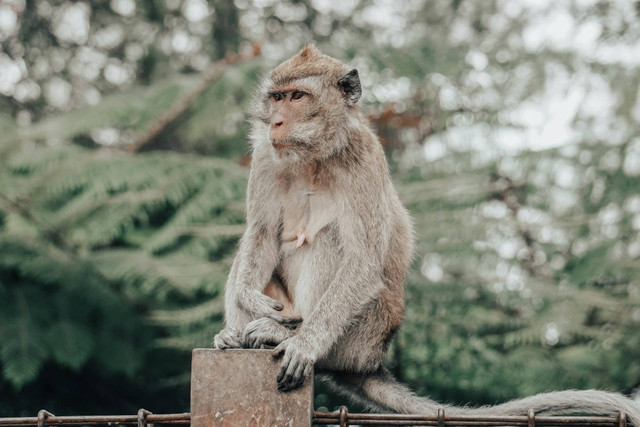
{"points": [[321, 267]]}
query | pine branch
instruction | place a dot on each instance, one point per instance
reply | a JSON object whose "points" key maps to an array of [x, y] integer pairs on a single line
{"points": [[180, 107], [50, 234]]}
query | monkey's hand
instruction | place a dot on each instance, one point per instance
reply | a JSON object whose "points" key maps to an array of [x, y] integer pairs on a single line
{"points": [[298, 358], [258, 304], [269, 331], [227, 338]]}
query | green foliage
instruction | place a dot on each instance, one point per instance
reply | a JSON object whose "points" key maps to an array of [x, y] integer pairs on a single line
{"points": [[71, 343], [526, 275], [215, 124], [108, 260], [22, 352], [507, 299]]}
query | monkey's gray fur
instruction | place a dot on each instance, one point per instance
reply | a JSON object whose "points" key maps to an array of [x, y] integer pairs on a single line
{"points": [[321, 267]]}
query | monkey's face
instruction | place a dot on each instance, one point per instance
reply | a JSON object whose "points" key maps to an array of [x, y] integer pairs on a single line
{"points": [[305, 107], [294, 121], [288, 107]]}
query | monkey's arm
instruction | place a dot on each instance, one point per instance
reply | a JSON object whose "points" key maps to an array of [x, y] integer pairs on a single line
{"points": [[259, 248], [254, 263], [257, 258], [364, 226], [243, 297]]}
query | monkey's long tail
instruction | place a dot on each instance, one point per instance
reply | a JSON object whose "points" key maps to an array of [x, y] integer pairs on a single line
{"points": [[383, 393]]}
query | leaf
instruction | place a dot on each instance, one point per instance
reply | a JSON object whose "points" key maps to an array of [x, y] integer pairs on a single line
{"points": [[71, 344], [22, 353]]}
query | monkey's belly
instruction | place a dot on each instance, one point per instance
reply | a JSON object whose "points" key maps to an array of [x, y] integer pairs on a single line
{"points": [[308, 271]]}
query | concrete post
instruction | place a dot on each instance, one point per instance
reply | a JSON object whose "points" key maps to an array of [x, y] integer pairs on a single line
{"points": [[238, 388]]}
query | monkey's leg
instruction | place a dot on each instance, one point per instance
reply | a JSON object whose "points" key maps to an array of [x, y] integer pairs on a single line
{"points": [[230, 336], [271, 330], [236, 319]]}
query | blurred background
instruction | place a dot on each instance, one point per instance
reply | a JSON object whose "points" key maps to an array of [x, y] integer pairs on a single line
{"points": [[511, 128]]}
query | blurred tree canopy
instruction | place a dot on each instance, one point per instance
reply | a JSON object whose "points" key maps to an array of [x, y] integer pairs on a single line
{"points": [[512, 132]]}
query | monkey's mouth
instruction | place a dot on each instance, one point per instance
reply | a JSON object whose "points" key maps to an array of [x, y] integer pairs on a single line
{"points": [[280, 144]]}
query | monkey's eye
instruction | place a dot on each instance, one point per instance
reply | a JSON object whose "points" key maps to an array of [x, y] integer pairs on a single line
{"points": [[297, 94], [277, 96]]}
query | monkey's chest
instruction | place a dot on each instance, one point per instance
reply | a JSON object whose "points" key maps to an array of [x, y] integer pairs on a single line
{"points": [[305, 214], [309, 251]]}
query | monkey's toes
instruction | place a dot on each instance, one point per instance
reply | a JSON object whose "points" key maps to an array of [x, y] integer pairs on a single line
{"points": [[227, 338], [262, 332], [219, 343]]}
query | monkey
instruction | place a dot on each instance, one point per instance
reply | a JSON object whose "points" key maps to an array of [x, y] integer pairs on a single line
{"points": [[320, 272]]}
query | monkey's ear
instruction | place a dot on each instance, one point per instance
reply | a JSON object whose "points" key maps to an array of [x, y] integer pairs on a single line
{"points": [[350, 85]]}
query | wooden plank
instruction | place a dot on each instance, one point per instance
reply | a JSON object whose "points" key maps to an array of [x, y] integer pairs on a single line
{"points": [[238, 388]]}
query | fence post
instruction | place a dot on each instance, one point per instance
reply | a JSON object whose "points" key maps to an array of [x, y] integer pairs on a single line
{"points": [[238, 388]]}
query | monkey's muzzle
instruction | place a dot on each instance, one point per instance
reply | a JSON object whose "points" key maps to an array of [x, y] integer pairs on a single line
{"points": [[280, 144]]}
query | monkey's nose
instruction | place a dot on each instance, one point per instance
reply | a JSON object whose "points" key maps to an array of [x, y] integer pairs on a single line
{"points": [[278, 130]]}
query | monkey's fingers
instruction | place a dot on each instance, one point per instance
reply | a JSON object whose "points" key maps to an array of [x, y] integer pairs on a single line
{"points": [[299, 375], [296, 373], [259, 304], [279, 351], [286, 377], [308, 369], [271, 303]]}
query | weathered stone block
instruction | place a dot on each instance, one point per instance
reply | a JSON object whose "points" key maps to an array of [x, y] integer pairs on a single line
{"points": [[238, 388]]}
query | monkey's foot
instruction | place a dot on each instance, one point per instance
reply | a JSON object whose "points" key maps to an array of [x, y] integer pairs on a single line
{"points": [[269, 331], [227, 338], [297, 362]]}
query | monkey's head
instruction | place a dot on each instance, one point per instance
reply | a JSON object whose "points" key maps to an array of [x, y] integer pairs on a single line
{"points": [[305, 107]]}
